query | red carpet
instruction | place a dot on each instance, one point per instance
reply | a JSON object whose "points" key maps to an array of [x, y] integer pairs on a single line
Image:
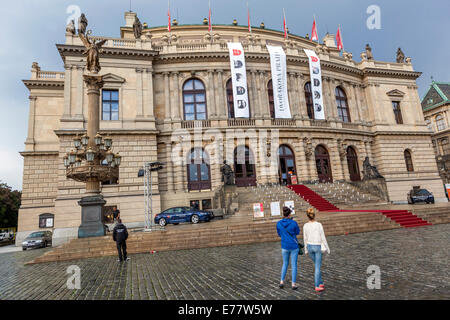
{"points": [[403, 217], [312, 198]]}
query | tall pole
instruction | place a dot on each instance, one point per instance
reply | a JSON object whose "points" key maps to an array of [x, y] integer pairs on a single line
{"points": [[94, 83]]}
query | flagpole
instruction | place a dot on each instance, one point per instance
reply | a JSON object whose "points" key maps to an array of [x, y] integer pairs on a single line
{"points": [[248, 15], [210, 22], [285, 25]]}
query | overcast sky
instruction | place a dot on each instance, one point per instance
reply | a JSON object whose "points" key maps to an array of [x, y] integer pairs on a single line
{"points": [[29, 30]]}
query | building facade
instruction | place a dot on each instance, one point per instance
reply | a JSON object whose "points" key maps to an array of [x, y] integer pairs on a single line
{"points": [[179, 82], [436, 110]]}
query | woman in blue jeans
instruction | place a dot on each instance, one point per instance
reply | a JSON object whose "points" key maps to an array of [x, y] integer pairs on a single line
{"points": [[288, 230], [315, 245]]}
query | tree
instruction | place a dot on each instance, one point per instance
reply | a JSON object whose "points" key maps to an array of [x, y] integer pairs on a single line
{"points": [[9, 206]]}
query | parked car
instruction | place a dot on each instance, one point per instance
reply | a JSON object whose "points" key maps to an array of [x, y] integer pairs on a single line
{"points": [[39, 239], [4, 236], [420, 195], [182, 214]]}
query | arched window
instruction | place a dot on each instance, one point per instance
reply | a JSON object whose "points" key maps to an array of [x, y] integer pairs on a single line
{"points": [[342, 105], [194, 100], [408, 161], [198, 170], [440, 122], [271, 101], [230, 100], [309, 100]]}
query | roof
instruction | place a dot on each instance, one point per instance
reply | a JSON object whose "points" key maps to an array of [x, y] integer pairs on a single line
{"points": [[437, 95]]}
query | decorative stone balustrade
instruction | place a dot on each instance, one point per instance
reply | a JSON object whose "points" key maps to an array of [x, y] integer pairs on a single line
{"points": [[50, 75]]}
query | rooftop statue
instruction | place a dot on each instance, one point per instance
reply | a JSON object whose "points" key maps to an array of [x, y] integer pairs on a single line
{"points": [[137, 28], [82, 24], [400, 56], [369, 52], [93, 48], [70, 28]]}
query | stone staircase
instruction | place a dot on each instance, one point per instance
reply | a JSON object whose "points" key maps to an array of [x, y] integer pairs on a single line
{"points": [[342, 194], [266, 194], [231, 231]]}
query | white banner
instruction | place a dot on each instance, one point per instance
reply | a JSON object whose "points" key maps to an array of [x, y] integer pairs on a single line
{"points": [[316, 84], [279, 81], [239, 80]]}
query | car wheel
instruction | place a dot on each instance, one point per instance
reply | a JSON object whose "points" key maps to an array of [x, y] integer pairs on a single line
{"points": [[194, 218], [176, 223], [24, 249], [162, 222]]}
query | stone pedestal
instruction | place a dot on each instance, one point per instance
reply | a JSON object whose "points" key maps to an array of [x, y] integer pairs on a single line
{"points": [[91, 217]]}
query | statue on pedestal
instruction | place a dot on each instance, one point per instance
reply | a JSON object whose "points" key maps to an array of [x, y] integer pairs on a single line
{"points": [[370, 171], [369, 52], [82, 24], [400, 56], [227, 174], [93, 49], [137, 28]]}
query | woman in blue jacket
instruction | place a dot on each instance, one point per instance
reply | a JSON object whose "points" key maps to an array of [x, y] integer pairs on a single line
{"points": [[288, 230]]}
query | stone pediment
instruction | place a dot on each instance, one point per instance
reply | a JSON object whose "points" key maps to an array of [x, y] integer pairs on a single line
{"points": [[109, 77], [395, 93]]}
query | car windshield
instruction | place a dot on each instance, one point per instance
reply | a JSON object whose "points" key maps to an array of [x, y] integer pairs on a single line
{"points": [[36, 235], [422, 192]]}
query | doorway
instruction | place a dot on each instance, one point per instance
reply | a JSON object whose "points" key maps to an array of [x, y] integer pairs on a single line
{"points": [[286, 167], [323, 164], [244, 167], [352, 162]]}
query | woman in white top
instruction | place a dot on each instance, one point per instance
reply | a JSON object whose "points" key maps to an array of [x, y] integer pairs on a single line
{"points": [[315, 245]]}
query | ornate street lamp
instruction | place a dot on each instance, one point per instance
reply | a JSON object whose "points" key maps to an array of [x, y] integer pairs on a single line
{"points": [[90, 155], [108, 142], [98, 139], [85, 140], [77, 142]]}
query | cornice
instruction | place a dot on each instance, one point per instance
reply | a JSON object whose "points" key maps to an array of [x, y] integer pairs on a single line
{"points": [[374, 72], [109, 131], [38, 153], [73, 50], [39, 84]]}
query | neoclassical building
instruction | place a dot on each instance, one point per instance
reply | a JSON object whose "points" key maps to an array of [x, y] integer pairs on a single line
{"points": [[180, 82], [436, 110]]}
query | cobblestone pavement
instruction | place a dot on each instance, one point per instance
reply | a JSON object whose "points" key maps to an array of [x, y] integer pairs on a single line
{"points": [[414, 265]]}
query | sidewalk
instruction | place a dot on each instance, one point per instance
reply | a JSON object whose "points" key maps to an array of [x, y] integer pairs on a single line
{"points": [[10, 248]]}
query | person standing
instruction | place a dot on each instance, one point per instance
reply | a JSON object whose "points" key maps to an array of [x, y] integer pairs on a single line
{"points": [[315, 245], [288, 230], [116, 213], [120, 236]]}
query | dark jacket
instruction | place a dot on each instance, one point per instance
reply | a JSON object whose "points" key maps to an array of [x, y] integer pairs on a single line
{"points": [[116, 213], [120, 233], [288, 229]]}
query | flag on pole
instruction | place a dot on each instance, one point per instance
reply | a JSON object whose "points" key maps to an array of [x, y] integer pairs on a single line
{"points": [[340, 44], [314, 36], [169, 24], [284, 25], [209, 18], [248, 19]]}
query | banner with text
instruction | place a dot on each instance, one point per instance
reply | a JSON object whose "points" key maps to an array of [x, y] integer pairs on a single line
{"points": [[279, 81], [239, 80], [316, 84]]}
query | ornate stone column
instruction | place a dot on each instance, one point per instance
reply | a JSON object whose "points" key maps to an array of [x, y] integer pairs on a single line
{"points": [[331, 105], [293, 96], [223, 108], [78, 112], [302, 108], [139, 93], [254, 96], [29, 143], [67, 91], [150, 104], [169, 167], [167, 111], [175, 97], [355, 99], [211, 102], [264, 103]]}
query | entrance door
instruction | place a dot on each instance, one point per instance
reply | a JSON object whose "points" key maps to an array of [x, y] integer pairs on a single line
{"points": [[244, 167], [323, 164], [286, 168], [352, 161]]}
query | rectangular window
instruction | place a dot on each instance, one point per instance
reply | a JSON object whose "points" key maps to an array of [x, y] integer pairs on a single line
{"points": [[110, 105], [206, 204], [397, 112]]}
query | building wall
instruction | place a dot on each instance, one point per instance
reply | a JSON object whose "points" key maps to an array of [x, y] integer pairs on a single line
{"points": [[150, 86]]}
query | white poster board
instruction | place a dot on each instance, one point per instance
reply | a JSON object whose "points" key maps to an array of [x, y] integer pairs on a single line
{"points": [[275, 208], [258, 210], [290, 205], [316, 84], [279, 81], [239, 80], [49, 223]]}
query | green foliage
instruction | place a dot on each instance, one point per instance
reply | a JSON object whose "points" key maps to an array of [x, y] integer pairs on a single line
{"points": [[9, 206]]}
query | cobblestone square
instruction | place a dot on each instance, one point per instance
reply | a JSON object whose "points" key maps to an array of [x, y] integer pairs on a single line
{"points": [[414, 265]]}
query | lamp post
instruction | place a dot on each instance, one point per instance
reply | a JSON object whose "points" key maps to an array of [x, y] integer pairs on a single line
{"points": [[85, 163], [146, 172]]}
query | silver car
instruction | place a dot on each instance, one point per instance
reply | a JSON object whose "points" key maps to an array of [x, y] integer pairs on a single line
{"points": [[39, 239]]}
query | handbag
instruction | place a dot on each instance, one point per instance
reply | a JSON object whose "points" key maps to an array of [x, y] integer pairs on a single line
{"points": [[300, 245]]}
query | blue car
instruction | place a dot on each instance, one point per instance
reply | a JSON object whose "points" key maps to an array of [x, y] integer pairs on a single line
{"points": [[182, 214], [420, 195]]}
